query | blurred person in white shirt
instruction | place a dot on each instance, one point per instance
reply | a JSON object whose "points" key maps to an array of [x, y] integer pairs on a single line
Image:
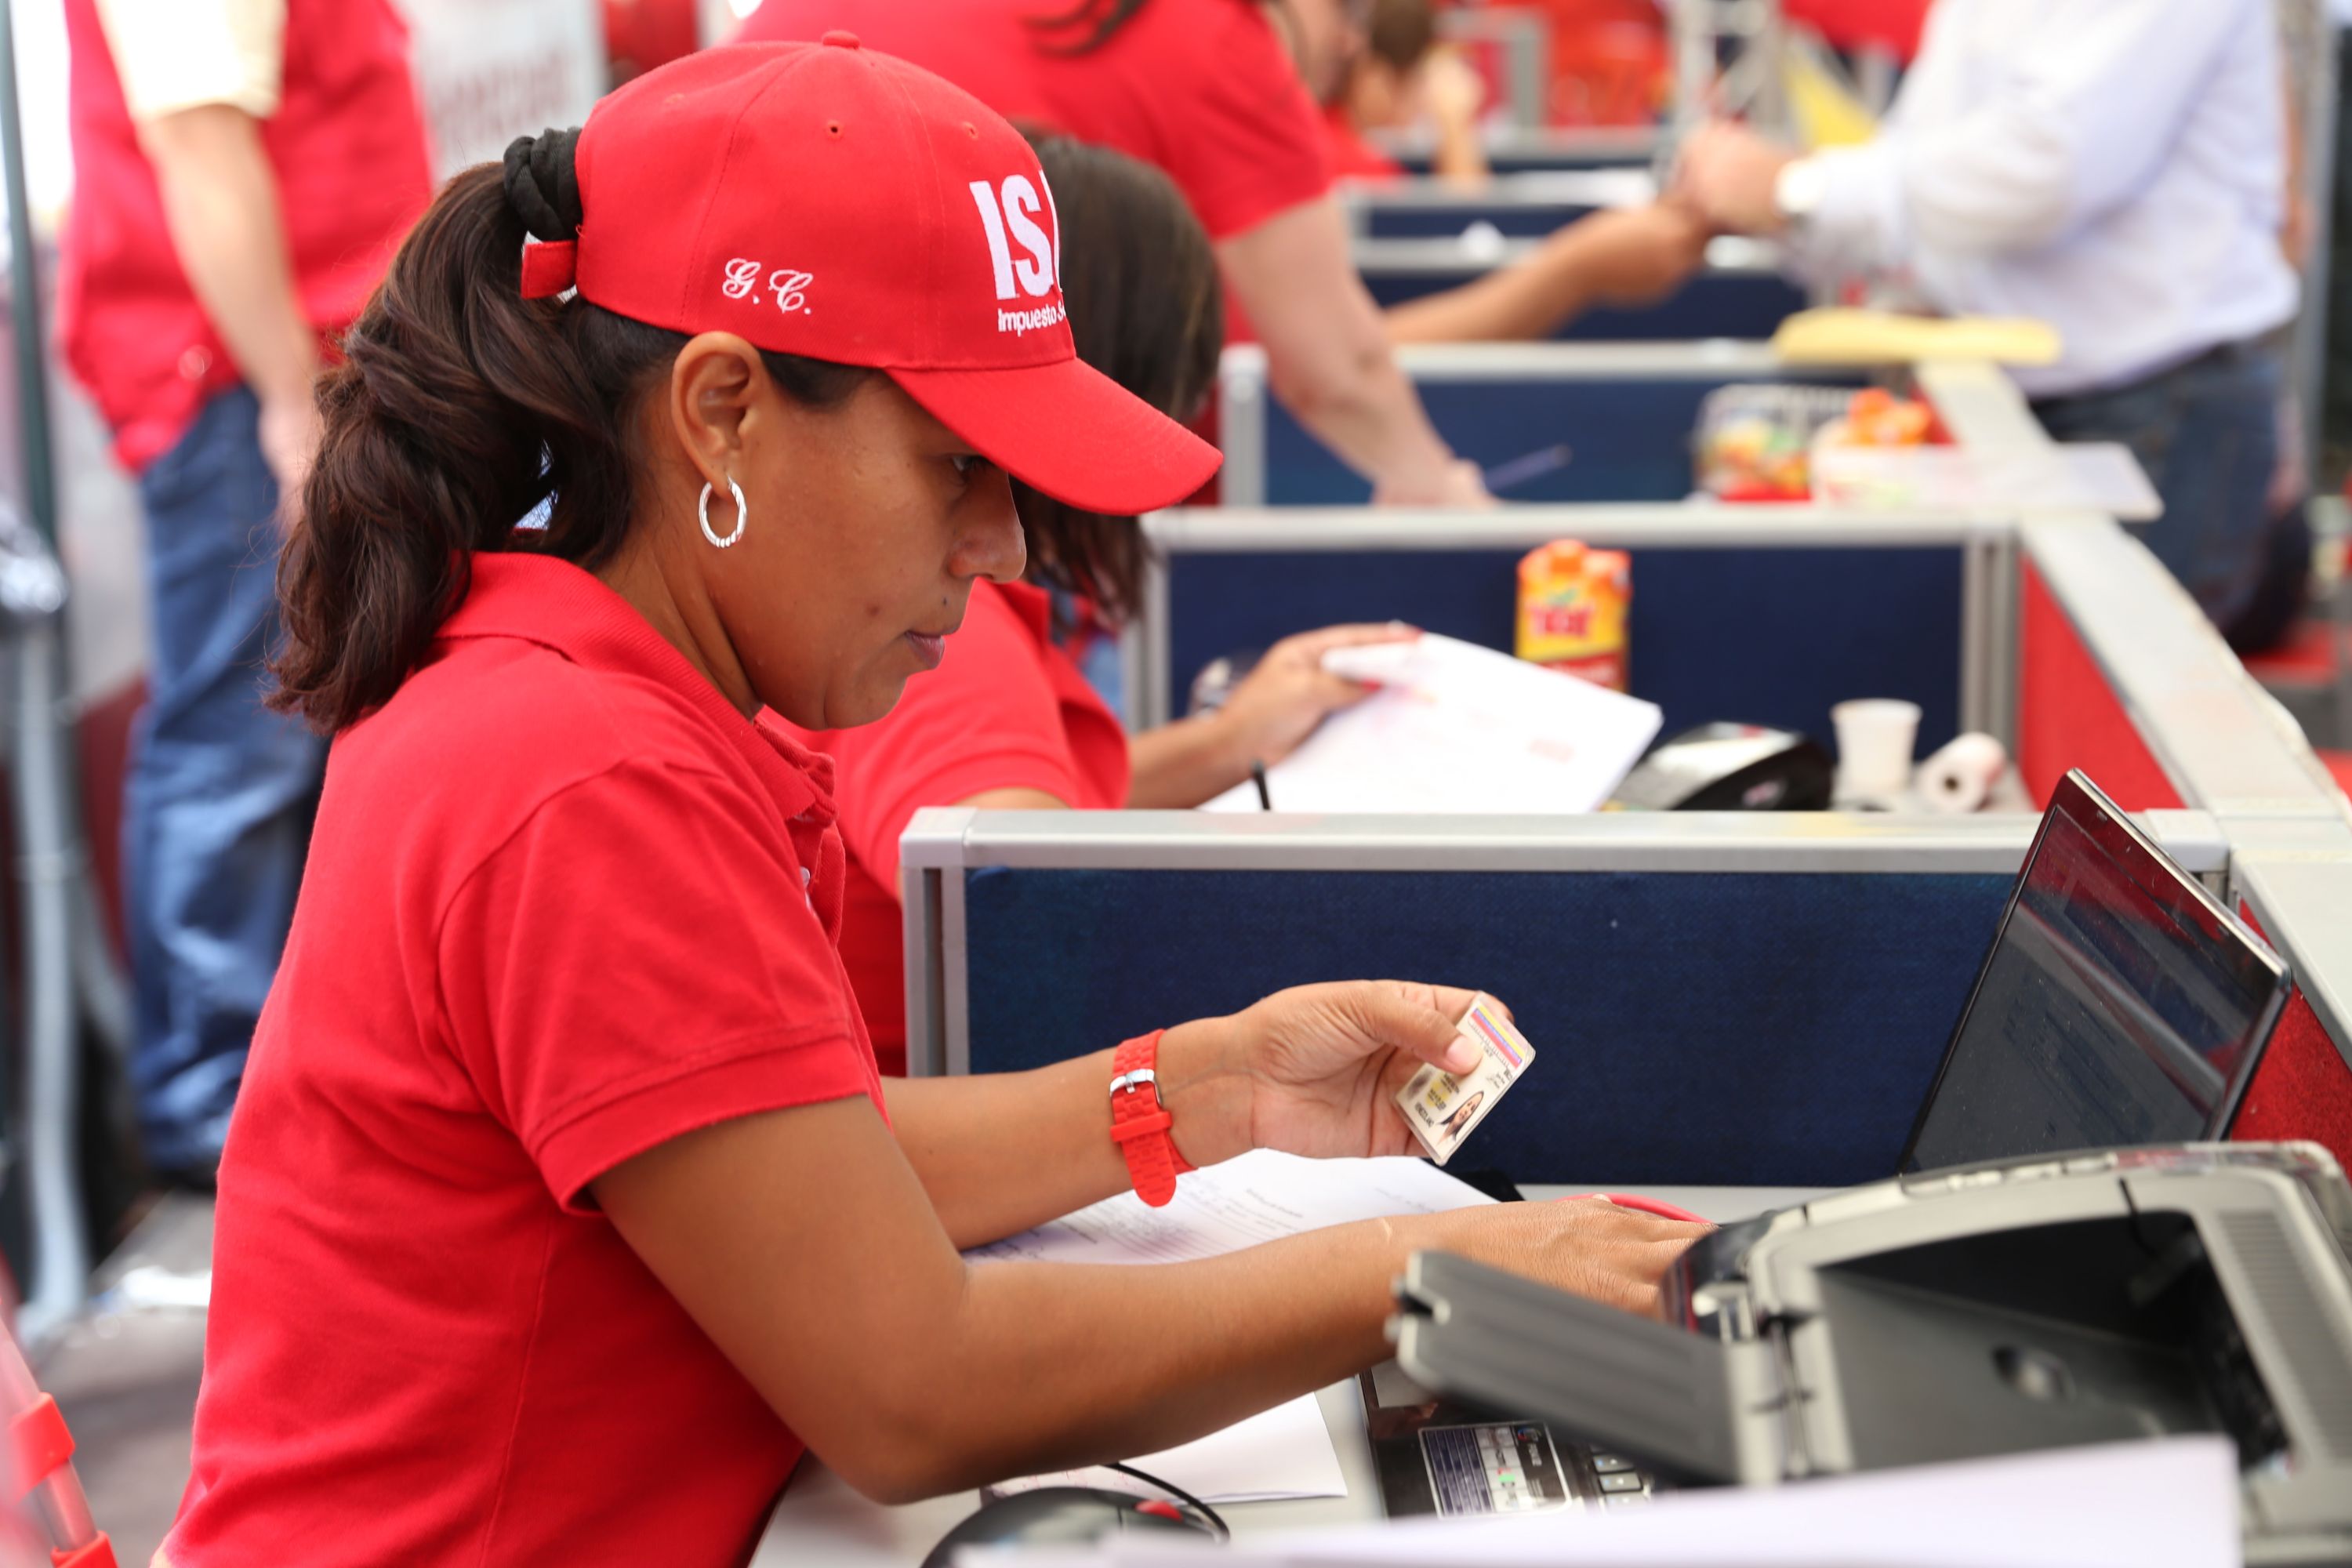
{"points": [[2116, 168]]}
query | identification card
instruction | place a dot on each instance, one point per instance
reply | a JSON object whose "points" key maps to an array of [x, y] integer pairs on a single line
{"points": [[1441, 1109]]}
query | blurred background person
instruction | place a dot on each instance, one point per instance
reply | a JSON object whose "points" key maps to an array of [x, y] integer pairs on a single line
{"points": [[1403, 77], [1206, 90], [242, 169], [1401, 74], [2114, 167]]}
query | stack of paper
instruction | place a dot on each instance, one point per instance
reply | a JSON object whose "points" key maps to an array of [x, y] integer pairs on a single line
{"points": [[1459, 728], [1287, 1451], [2124, 1505]]}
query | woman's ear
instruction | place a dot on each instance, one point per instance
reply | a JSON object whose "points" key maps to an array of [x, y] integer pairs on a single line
{"points": [[714, 385]]}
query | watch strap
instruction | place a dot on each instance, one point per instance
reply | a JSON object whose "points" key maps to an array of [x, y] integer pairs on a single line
{"points": [[1139, 1121]]}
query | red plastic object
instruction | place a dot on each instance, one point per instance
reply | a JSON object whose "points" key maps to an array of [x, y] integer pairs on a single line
{"points": [[2069, 717], [1161, 1508], [1859, 24], [99, 1553], [42, 1445], [2339, 768], [2304, 1086], [1635, 1201], [2307, 658]]}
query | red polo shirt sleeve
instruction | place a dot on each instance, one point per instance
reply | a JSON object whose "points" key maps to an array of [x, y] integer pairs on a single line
{"points": [[1247, 143], [638, 960]]}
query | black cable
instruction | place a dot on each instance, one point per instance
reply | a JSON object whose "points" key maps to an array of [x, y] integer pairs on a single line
{"points": [[1224, 1532]]}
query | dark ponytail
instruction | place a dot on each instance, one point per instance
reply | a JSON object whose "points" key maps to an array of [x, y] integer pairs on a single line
{"points": [[460, 406]]}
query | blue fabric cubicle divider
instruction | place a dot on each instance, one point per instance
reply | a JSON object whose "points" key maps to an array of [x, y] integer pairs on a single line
{"points": [[1763, 636], [1735, 1028], [1629, 438], [1445, 220], [1746, 305]]}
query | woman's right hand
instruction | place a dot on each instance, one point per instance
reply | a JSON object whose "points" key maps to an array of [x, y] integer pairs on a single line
{"points": [[1280, 701], [1586, 1245]]}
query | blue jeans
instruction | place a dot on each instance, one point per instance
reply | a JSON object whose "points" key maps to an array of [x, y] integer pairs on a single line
{"points": [[2207, 433], [218, 804]]}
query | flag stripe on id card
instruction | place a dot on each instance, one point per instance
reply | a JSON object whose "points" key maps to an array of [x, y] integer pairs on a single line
{"points": [[1443, 1110]]}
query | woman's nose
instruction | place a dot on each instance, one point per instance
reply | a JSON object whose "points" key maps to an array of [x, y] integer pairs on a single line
{"points": [[993, 545]]}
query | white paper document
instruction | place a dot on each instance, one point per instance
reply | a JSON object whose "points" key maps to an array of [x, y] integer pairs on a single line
{"points": [[1285, 1452], [1261, 1196], [1459, 728], [2123, 1505]]}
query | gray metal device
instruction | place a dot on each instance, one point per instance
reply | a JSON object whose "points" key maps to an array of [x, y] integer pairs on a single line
{"points": [[1997, 1309]]}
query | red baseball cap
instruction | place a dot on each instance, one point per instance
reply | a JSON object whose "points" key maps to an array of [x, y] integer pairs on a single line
{"points": [[823, 200]]}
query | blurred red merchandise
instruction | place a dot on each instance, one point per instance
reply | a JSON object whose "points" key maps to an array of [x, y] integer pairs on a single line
{"points": [[1859, 24], [1610, 61], [642, 33]]}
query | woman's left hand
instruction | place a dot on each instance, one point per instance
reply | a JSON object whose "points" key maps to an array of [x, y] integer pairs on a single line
{"points": [[1313, 1070]]}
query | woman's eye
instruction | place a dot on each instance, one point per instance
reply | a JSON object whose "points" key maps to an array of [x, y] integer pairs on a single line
{"points": [[968, 464]]}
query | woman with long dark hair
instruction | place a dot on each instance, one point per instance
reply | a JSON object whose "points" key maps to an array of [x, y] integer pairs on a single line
{"points": [[564, 1205]]}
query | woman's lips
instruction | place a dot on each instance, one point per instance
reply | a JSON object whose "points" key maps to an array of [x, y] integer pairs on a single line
{"points": [[930, 649]]}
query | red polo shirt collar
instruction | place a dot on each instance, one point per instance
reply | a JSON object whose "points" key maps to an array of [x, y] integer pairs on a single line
{"points": [[557, 605]]}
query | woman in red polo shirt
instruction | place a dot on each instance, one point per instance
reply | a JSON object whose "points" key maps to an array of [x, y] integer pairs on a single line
{"points": [[564, 1204]]}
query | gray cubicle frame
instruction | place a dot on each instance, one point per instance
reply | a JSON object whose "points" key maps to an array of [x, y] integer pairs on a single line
{"points": [[1985, 564], [1511, 147], [1596, 188], [1522, 33], [945, 843], [1243, 388], [1466, 262]]}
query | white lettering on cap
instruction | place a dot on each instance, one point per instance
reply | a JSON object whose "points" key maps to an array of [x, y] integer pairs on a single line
{"points": [[1016, 209]]}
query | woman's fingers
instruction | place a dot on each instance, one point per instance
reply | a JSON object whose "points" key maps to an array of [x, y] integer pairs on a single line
{"points": [[1418, 1020]]}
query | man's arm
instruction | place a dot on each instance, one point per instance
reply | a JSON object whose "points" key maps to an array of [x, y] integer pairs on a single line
{"points": [[1634, 257], [220, 204]]}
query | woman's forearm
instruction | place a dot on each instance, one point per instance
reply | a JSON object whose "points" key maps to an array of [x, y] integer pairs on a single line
{"points": [[1526, 299], [1177, 766], [1002, 1153], [1073, 1365]]}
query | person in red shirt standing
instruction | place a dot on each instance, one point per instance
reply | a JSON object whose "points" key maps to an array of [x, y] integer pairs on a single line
{"points": [[242, 170], [565, 1208]]}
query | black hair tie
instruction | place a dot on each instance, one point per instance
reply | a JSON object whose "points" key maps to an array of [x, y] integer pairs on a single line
{"points": [[542, 185]]}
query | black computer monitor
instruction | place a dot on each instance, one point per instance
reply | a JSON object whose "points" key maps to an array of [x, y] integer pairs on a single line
{"points": [[2121, 1004]]}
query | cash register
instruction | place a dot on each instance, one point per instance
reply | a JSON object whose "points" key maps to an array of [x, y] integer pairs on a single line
{"points": [[2064, 1256]]}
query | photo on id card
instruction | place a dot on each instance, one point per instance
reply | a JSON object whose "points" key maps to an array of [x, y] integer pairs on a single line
{"points": [[1443, 1108]]}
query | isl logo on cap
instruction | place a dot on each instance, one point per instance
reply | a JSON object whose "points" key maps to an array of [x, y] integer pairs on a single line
{"points": [[1010, 207]]}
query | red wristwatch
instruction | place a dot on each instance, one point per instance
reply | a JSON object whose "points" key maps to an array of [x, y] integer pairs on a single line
{"points": [[1139, 1122]]}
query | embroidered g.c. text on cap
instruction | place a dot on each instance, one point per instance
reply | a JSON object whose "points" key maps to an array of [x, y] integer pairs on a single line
{"points": [[824, 200]]}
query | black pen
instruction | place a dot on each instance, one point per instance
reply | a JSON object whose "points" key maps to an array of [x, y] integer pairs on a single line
{"points": [[1258, 777]]}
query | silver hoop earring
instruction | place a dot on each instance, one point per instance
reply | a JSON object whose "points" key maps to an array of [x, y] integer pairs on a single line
{"points": [[741, 512]]}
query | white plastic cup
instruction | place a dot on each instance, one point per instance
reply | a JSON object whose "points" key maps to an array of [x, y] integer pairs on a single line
{"points": [[1875, 737]]}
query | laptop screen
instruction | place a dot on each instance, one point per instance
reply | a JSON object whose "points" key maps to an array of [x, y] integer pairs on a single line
{"points": [[2122, 1004]]}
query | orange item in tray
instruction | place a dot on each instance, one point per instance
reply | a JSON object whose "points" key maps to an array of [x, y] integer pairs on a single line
{"points": [[1877, 418], [1572, 610]]}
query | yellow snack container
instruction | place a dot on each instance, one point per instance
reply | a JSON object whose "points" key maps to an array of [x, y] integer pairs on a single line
{"points": [[1572, 606]]}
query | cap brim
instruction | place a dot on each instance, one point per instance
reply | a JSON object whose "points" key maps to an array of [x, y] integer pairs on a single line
{"points": [[1070, 431]]}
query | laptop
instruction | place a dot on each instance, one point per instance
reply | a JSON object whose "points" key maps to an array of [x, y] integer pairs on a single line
{"points": [[2121, 1004]]}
